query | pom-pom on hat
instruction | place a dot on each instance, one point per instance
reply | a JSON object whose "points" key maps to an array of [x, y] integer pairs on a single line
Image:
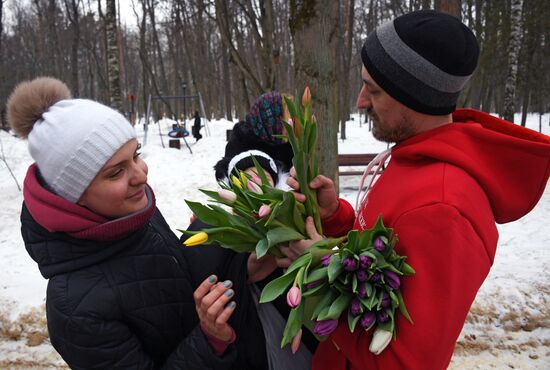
{"points": [[422, 59], [70, 139]]}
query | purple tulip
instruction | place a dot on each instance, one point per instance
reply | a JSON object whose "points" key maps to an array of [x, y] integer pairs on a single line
{"points": [[362, 291], [367, 319], [325, 260], [293, 297], [365, 262], [350, 264], [385, 302], [355, 307], [382, 316], [379, 245], [362, 275], [325, 327], [375, 278], [314, 284], [392, 279]]}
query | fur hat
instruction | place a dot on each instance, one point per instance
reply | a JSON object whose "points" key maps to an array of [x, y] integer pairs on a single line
{"points": [[422, 59], [70, 139], [263, 121]]}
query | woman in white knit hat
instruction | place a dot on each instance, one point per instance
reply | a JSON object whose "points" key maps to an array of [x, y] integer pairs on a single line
{"points": [[119, 292]]}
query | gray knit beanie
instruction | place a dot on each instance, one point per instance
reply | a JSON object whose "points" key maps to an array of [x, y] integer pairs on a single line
{"points": [[70, 139], [422, 59]]}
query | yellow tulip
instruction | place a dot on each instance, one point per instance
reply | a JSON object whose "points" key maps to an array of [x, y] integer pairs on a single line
{"points": [[236, 181], [196, 239]]}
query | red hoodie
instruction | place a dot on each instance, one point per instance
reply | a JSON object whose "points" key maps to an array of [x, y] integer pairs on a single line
{"points": [[442, 192]]}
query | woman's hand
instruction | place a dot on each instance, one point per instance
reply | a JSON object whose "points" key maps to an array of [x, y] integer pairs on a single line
{"points": [[326, 193], [211, 303]]}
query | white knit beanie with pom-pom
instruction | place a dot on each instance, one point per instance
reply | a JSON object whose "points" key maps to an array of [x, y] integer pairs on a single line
{"points": [[70, 139]]}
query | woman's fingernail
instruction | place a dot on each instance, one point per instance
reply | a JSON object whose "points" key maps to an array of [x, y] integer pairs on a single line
{"points": [[229, 293], [227, 283], [232, 304], [212, 279]]}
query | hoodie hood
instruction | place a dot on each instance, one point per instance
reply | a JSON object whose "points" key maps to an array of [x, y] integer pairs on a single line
{"points": [[510, 162]]}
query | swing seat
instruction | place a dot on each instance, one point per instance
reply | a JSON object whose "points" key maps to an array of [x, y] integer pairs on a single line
{"points": [[178, 132]]}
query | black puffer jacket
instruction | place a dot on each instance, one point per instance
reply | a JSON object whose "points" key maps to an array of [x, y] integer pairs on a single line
{"points": [[250, 343], [126, 304]]}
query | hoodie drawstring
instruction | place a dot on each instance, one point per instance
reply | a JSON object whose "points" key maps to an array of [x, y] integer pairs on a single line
{"points": [[379, 162]]}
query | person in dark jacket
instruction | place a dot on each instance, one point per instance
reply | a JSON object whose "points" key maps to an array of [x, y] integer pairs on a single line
{"points": [[196, 130], [119, 295], [259, 327]]}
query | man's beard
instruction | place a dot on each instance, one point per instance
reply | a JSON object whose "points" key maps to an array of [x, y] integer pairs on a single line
{"points": [[403, 129]]}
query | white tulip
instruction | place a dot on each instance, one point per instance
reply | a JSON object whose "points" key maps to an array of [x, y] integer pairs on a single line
{"points": [[380, 340]]}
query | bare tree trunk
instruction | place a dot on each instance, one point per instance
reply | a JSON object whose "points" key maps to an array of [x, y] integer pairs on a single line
{"points": [[266, 20], [160, 61], [513, 58], [223, 24], [315, 22], [449, 6], [73, 15], [227, 83], [113, 61], [350, 14]]}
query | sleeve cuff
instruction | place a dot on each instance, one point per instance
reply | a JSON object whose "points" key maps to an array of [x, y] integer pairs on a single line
{"points": [[219, 346], [341, 221]]}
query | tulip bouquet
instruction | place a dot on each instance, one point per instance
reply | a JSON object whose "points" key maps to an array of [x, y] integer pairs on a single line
{"points": [[358, 275], [261, 217]]}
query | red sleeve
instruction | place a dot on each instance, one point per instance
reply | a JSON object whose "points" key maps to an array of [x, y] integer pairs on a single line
{"points": [[341, 221], [219, 346], [451, 263]]}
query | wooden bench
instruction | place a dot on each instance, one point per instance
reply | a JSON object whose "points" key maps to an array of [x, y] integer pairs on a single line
{"points": [[348, 160]]}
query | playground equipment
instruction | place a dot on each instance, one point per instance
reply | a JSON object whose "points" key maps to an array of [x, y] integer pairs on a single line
{"points": [[175, 132]]}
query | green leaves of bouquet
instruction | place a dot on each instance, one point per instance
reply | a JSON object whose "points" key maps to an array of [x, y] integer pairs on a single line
{"points": [[260, 217], [361, 278], [302, 136]]}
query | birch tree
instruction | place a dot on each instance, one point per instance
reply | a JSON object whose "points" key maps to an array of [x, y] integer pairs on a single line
{"points": [[513, 57]]}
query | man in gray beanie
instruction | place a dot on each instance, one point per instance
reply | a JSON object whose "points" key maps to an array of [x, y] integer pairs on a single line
{"points": [[453, 173]]}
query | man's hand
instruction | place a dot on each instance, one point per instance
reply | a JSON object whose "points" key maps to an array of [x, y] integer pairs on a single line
{"points": [[259, 269], [211, 300], [297, 247], [326, 193]]}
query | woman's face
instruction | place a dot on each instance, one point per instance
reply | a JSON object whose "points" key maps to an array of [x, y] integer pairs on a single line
{"points": [[119, 187]]}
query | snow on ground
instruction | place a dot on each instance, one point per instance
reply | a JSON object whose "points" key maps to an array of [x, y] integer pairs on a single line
{"points": [[508, 325]]}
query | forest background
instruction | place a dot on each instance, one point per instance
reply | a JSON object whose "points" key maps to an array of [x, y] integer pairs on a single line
{"points": [[232, 51]]}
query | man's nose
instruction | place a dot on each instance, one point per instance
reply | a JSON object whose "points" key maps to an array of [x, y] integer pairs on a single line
{"points": [[363, 100]]}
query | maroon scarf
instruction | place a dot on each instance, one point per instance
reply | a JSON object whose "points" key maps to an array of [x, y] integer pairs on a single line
{"points": [[56, 214]]}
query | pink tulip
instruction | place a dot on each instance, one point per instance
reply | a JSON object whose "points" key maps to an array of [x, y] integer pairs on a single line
{"points": [[293, 297], [296, 342], [227, 195], [306, 97], [255, 188], [264, 210], [256, 179]]}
